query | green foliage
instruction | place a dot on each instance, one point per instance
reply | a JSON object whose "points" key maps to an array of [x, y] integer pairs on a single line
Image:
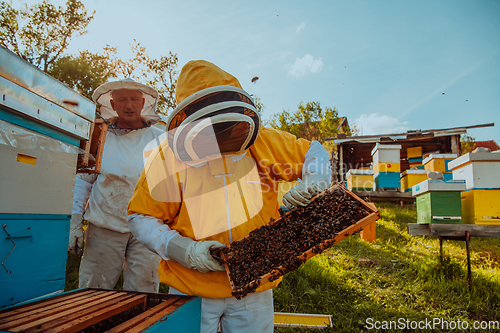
{"points": [[159, 73], [85, 72], [467, 143], [41, 33], [309, 121], [258, 104]]}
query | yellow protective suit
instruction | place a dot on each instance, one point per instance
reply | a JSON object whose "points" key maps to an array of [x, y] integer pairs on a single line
{"points": [[209, 198], [222, 199]]}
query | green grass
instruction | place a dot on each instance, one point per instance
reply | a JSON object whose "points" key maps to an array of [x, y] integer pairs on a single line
{"points": [[397, 276]]}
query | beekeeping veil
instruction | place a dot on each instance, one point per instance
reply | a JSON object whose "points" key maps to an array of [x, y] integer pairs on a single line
{"points": [[102, 97], [214, 115]]}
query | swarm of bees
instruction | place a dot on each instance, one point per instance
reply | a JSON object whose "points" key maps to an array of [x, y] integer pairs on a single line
{"points": [[279, 247]]}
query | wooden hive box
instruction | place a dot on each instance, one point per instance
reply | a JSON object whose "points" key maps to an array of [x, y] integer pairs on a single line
{"points": [[359, 180], [438, 201], [481, 206], [94, 147], [99, 310], [284, 244]]}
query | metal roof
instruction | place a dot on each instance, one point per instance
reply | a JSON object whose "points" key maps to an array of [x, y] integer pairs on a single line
{"points": [[414, 134]]}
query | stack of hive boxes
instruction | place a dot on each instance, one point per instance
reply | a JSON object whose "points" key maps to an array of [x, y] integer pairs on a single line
{"points": [[480, 200], [415, 174], [359, 180], [386, 167], [412, 177], [439, 162], [414, 155]]}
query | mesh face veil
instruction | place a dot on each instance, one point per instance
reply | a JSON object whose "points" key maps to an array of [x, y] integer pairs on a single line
{"points": [[211, 122], [102, 96]]}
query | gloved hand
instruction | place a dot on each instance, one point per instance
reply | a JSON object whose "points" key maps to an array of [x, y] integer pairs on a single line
{"points": [[194, 254], [76, 235], [301, 194]]}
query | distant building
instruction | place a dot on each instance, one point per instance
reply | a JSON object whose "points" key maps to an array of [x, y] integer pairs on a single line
{"points": [[354, 152], [343, 125], [491, 144]]}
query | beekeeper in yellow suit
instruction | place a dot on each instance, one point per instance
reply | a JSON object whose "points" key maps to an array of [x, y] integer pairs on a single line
{"points": [[213, 181], [130, 107]]}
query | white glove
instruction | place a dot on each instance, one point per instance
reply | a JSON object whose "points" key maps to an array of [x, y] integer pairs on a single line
{"points": [[76, 235], [301, 194], [194, 254]]}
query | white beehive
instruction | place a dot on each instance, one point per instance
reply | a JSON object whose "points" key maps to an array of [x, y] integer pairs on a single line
{"points": [[386, 153], [480, 170]]}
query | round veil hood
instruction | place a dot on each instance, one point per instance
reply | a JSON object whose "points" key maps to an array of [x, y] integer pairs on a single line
{"points": [[214, 115], [102, 97]]}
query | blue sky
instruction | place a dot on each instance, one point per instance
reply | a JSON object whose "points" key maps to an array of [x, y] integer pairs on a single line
{"points": [[383, 64]]}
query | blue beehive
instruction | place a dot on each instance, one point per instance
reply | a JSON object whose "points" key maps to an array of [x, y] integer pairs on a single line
{"points": [[42, 123], [386, 167]]}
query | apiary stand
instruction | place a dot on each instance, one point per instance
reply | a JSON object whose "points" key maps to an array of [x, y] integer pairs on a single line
{"points": [[460, 232]]}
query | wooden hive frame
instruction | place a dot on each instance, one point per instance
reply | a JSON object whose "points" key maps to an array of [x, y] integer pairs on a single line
{"points": [[82, 308], [373, 215], [94, 146]]}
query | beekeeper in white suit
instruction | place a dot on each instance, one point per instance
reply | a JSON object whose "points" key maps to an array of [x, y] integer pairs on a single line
{"points": [[130, 107]]}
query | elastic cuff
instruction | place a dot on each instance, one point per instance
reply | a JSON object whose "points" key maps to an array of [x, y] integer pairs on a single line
{"points": [[177, 249]]}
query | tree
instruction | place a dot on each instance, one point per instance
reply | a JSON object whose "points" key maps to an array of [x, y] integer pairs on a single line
{"points": [[309, 121], [466, 143], [85, 72], [160, 74], [258, 104], [46, 32]]}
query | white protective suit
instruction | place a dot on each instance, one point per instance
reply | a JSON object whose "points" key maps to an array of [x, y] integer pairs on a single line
{"points": [[109, 244]]}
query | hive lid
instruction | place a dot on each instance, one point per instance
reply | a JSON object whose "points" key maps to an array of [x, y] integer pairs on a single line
{"points": [[474, 157], [415, 172], [31, 93], [436, 185], [436, 156], [378, 146], [359, 172]]}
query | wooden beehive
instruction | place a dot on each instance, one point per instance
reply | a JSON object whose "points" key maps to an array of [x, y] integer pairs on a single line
{"points": [[307, 246], [94, 147], [99, 310]]}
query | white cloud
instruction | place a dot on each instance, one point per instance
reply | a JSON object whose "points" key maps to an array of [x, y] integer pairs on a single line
{"points": [[379, 124], [301, 26], [305, 66]]}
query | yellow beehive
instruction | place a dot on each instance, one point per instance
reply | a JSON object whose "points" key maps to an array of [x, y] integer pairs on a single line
{"points": [[481, 206], [412, 177], [438, 162], [414, 152], [359, 180], [387, 167]]}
